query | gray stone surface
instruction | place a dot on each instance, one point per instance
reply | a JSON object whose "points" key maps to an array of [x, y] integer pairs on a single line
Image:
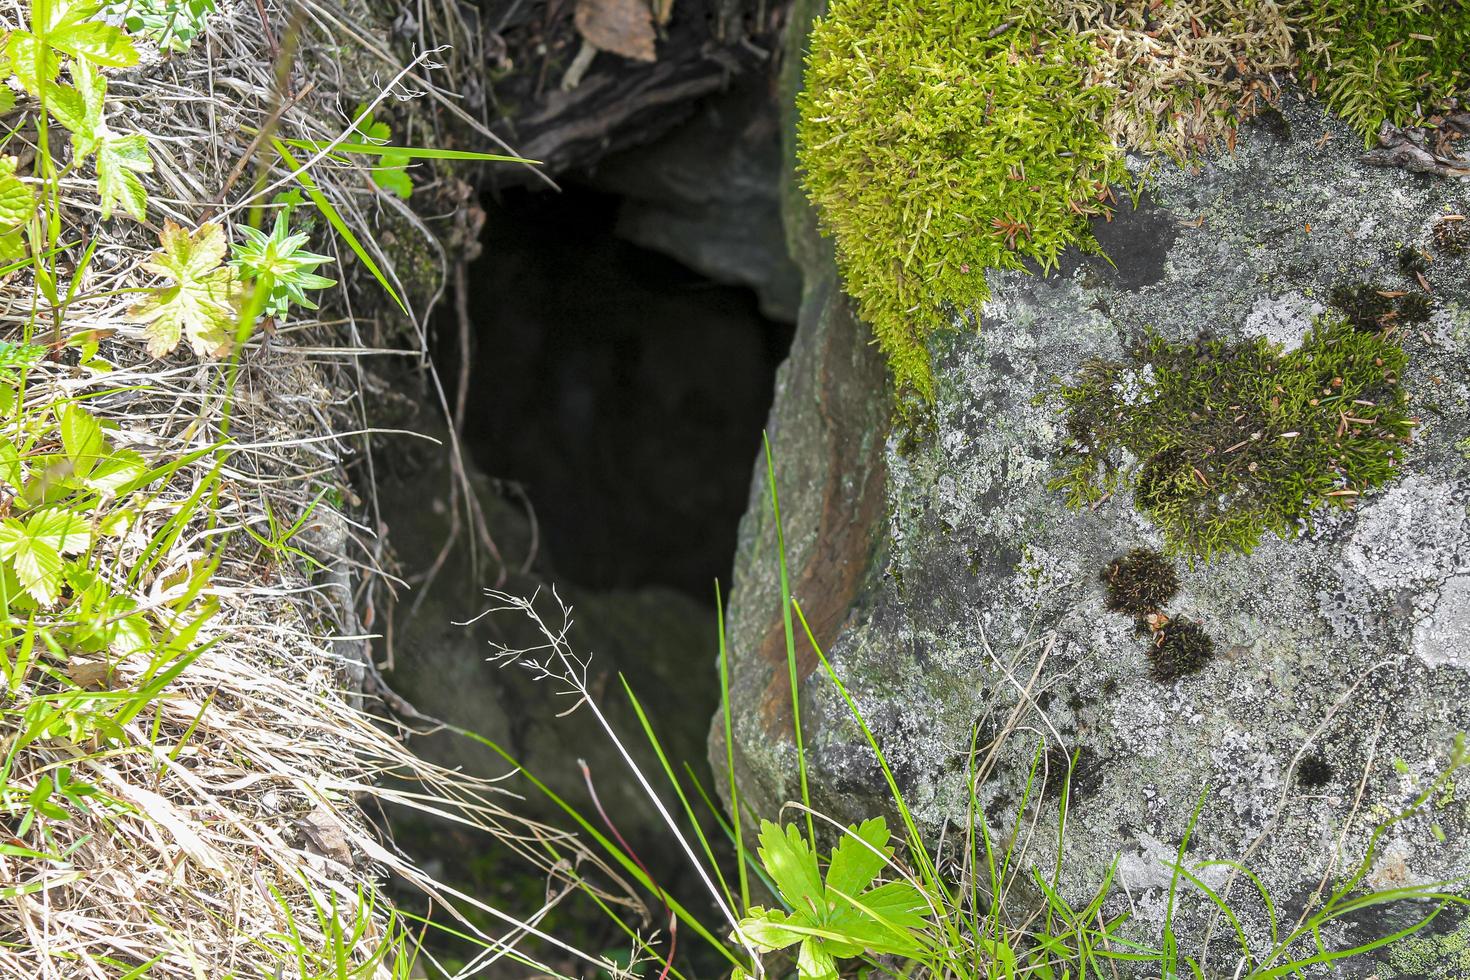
{"points": [[1351, 643]]}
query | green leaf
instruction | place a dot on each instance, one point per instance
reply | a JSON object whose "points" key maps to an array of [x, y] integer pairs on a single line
{"points": [[815, 963], [12, 474], [766, 928], [792, 864], [202, 304], [897, 903], [859, 856], [64, 530], [81, 436], [118, 468], [391, 174], [65, 27], [17, 202], [120, 156], [119, 161], [37, 565]]}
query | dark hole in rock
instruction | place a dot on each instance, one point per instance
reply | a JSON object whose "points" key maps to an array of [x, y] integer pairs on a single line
{"points": [[624, 392]]}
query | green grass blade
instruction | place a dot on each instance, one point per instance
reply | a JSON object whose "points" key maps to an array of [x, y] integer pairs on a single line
{"points": [[677, 786], [414, 152], [330, 213], [786, 603], [735, 820]]}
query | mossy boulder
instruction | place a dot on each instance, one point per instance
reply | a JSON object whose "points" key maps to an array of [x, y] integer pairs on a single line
{"points": [[1314, 684]]}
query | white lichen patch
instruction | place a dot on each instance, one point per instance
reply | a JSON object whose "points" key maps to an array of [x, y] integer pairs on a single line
{"points": [[1442, 638], [1414, 532], [1283, 319]]}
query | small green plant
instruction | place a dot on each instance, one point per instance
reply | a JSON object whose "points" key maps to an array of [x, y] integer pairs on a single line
{"points": [[391, 173], [940, 139], [1221, 442], [171, 24], [839, 917], [280, 262]]}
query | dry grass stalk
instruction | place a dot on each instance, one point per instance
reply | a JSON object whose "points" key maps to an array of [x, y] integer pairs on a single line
{"points": [[232, 811]]}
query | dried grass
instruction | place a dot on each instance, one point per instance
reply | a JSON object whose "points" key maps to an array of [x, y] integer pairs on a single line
{"points": [[238, 795]]}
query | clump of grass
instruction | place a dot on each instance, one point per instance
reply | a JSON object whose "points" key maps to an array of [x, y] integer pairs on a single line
{"points": [[1400, 62], [1222, 442], [940, 139]]}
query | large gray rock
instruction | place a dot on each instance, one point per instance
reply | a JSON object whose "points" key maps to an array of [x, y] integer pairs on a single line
{"points": [[947, 578]]}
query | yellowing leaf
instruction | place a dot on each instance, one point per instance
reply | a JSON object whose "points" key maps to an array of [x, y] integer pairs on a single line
{"points": [[203, 304]]}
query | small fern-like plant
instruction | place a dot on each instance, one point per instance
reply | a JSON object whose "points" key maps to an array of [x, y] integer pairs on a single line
{"points": [[280, 262]]}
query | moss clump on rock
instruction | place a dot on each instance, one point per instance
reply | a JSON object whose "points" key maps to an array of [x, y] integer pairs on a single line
{"points": [[1179, 648], [1222, 442], [1141, 582], [940, 138], [1452, 235], [1400, 62]]}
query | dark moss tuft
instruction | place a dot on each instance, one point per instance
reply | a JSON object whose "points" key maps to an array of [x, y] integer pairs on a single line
{"points": [[1140, 582], [1180, 648], [1413, 261], [1415, 308], [1365, 306], [1452, 235], [1313, 772]]}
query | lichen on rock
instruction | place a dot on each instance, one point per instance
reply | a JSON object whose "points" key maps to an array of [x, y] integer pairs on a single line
{"points": [[1340, 645]]}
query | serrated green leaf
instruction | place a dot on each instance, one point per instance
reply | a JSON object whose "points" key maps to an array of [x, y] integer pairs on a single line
{"points": [[17, 202], [119, 161], [766, 928], [65, 28], [36, 564], [120, 156], [66, 531], [859, 856], [81, 436], [792, 865]]}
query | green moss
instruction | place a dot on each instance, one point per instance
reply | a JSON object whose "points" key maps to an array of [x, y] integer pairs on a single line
{"points": [[1141, 582], [1372, 62], [941, 138], [1222, 442]]}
